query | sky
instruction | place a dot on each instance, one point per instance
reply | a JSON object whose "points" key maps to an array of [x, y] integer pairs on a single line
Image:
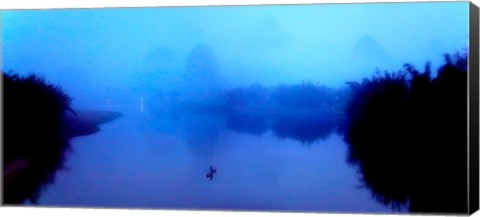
{"points": [[103, 52]]}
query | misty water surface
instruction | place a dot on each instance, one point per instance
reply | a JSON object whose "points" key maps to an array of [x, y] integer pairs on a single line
{"points": [[149, 162]]}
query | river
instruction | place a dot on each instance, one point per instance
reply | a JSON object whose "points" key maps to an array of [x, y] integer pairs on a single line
{"points": [[142, 160]]}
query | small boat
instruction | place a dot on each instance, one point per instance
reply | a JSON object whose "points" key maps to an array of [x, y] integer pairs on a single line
{"points": [[211, 172]]}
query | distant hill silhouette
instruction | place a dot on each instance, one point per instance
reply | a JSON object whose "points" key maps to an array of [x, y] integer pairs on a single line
{"points": [[367, 47], [270, 34], [201, 61]]}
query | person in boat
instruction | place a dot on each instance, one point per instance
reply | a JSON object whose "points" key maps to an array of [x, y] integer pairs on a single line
{"points": [[211, 172]]}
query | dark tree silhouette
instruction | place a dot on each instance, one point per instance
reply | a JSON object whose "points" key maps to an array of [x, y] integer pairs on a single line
{"points": [[33, 111], [407, 134], [38, 123]]}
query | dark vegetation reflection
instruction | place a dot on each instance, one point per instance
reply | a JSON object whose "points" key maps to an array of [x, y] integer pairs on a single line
{"points": [[304, 130], [39, 124], [407, 135], [304, 112]]}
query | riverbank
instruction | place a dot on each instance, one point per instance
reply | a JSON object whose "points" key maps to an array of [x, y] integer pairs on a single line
{"points": [[22, 177]]}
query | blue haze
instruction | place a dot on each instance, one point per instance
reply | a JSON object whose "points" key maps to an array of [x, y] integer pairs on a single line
{"points": [[117, 48], [113, 58]]}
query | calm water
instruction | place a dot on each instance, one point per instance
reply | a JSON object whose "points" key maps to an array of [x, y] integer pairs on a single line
{"points": [[152, 161]]}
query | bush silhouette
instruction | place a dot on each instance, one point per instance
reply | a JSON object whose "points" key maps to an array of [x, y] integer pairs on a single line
{"points": [[407, 134], [33, 111]]}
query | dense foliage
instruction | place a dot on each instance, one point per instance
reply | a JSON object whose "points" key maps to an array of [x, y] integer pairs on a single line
{"points": [[303, 95], [407, 133], [253, 95], [33, 111]]}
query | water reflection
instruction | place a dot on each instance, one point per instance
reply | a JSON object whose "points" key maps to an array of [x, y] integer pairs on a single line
{"points": [[26, 178], [202, 131], [160, 169], [306, 130], [254, 124]]}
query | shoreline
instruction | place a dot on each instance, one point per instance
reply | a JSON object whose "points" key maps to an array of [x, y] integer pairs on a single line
{"points": [[84, 122]]}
